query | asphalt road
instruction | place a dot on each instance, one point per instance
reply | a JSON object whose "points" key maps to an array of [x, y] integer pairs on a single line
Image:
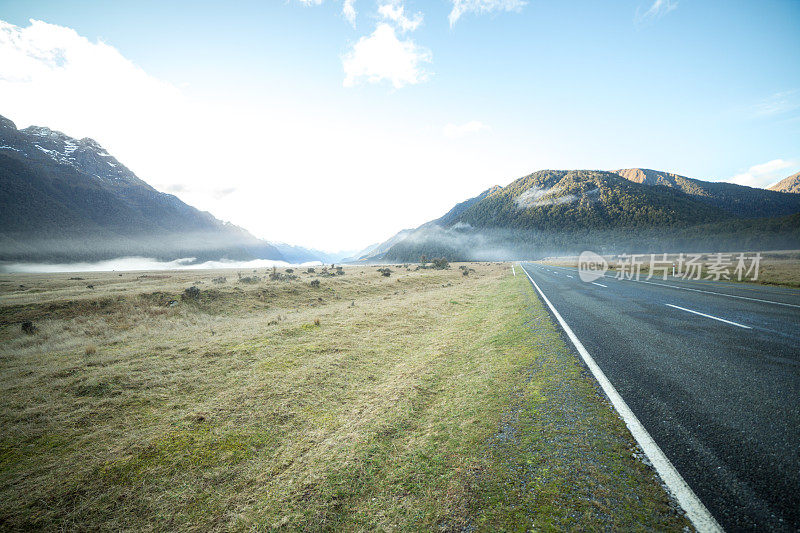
{"points": [[718, 392]]}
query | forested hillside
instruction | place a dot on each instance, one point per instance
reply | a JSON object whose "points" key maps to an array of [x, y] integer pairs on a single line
{"points": [[554, 212]]}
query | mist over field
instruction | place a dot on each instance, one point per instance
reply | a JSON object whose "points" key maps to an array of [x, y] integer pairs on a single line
{"points": [[124, 264], [465, 243]]}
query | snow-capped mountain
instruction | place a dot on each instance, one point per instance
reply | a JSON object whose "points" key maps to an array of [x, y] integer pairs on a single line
{"points": [[69, 199], [85, 154]]}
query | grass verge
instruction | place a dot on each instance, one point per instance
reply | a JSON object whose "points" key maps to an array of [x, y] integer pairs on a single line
{"points": [[424, 400]]}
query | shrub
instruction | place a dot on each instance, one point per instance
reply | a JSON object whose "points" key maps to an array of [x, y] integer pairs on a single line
{"points": [[192, 293], [310, 270], [221, 279], [90, 350], [315, 283], [440, 263], [316, 321], [29, 328], [289, 270], [385, 271]]}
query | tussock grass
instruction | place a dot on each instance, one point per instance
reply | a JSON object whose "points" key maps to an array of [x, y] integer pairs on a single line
{"points": [[424, 400]]}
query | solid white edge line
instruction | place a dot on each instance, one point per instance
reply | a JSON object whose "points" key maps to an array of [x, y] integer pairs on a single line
{"points": [[595, 283], [697, 513], [709, 316]]}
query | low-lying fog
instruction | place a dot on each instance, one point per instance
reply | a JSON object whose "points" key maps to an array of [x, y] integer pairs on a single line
{"points": [[141, 263]]}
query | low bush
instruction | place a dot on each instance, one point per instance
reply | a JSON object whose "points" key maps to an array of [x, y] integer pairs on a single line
{"points": [[192, 293]]}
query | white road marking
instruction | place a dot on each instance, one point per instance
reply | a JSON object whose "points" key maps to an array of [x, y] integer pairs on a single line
{"points": [[709, 316], [568, 276], [600, 284], [719, 293], [706, 292], [699, 515]]}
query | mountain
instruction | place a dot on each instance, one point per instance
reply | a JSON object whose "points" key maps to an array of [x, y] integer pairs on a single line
{"points": [[739, 200], [376, 251], [356, 256], [66, 199], [299, 254], [559, 211], [790, 184]]}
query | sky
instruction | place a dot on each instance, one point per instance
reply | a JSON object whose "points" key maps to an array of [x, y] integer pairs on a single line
{"points": [[334, 124]]}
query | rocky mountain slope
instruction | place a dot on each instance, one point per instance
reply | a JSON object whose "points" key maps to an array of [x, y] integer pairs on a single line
{"points": [[790, 184], [739, 200]]}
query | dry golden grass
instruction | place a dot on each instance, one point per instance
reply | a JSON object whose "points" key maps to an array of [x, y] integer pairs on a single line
{"points": [[367, 403]]}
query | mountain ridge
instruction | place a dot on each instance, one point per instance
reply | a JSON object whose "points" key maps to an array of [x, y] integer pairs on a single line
{"points": [[573, 209], [740, 200], [788, 185], [67, 199]]}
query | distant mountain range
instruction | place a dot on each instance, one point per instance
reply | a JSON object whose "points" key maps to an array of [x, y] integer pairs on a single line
{"points": [[636, 210], [299, 254], [64, 199]]}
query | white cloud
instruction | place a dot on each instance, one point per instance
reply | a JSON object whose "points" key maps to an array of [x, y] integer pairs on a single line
{"points": [[381, 56], [765, 174], [349, 11], [461, 7], [658, 9], [396, 13], [453, 131]]}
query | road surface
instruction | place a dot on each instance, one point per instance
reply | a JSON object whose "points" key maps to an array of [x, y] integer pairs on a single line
{"points": [[712, 370]]}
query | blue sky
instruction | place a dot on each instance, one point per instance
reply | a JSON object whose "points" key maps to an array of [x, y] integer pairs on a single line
{"points": [[283, 116]]}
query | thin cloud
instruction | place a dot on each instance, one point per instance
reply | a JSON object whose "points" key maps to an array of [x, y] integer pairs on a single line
{"points": [[461, 7], [349, 11], [453, 131], [395, 12], [777, 104], [658, 9], [221, 193]]}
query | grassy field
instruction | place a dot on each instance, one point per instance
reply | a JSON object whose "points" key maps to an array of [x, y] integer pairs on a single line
{"points": [[425, 400], [780, 268]]}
